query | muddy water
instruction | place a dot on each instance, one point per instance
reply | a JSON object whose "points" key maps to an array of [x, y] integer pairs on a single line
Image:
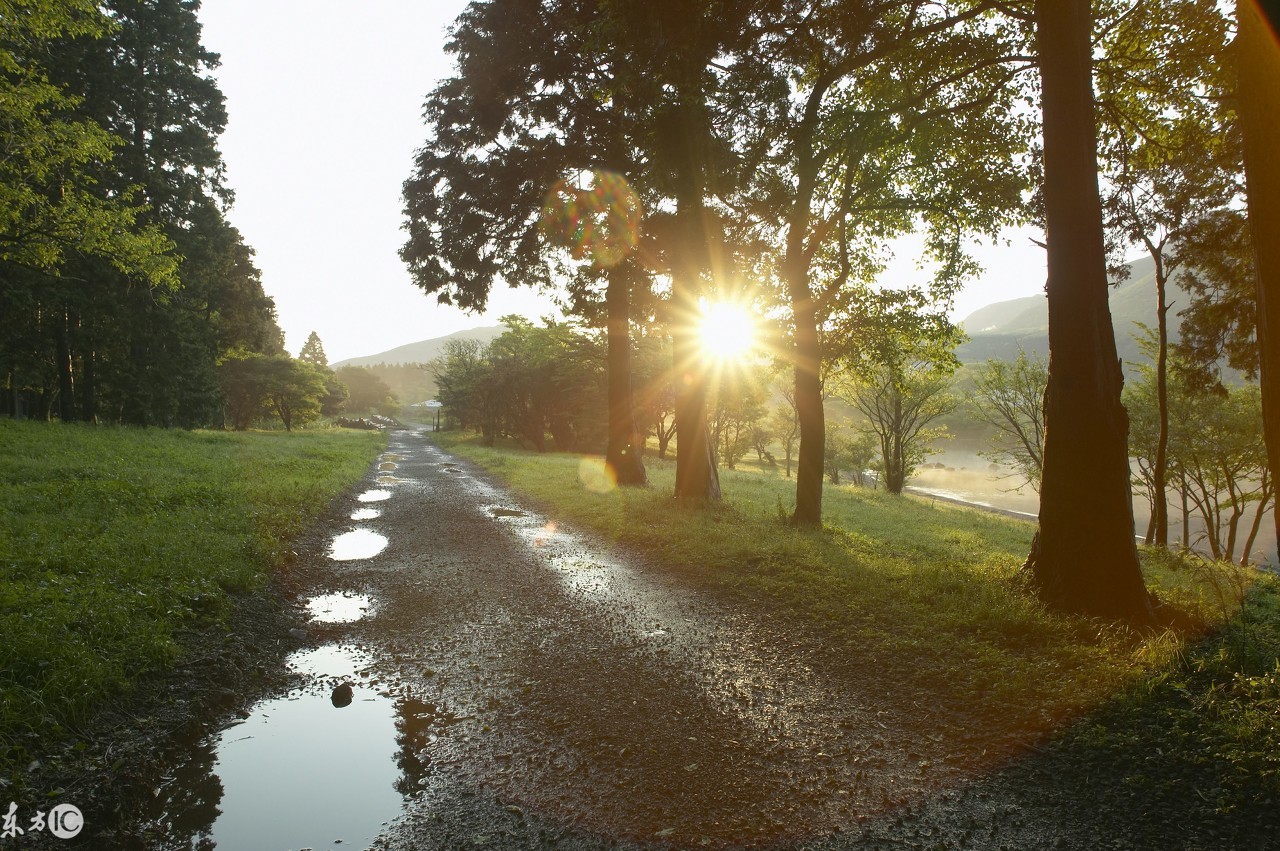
{"points": [[339, 608], [297, 772], [357, 544]]}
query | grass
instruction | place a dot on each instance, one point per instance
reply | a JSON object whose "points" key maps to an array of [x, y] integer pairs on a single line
{"points": [[929, 598], [113, 541]]}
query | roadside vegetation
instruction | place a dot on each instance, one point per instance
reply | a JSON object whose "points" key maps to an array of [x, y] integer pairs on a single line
{"points": [[115, 541], [928, 600]]}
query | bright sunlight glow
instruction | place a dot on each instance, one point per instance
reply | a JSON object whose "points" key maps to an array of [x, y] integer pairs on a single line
{"points": [[728, 331]]}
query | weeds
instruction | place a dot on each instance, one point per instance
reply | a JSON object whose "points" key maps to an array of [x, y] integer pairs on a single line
{"points": [[113, 541]]}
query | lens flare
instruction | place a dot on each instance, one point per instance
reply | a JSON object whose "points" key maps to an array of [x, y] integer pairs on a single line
{"points": [[600, 222], [596, 476]]}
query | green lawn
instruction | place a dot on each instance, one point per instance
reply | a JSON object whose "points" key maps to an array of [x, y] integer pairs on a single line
{"points": [[113, 540], [930, 596]]}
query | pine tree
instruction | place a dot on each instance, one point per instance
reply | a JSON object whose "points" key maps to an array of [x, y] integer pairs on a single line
{"points": [[313, 352]]}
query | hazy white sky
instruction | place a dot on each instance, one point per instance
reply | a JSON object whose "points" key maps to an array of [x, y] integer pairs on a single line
{"points": [[325, 105]]}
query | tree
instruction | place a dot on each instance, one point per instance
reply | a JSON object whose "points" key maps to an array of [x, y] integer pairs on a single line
{"points": [[786, 425], [366, 392], [243, 378], [1171, 152], [737, 401], [656, 399], [886, 118], [1217, 455], [1009, 397], [49, 207], [313, 352], [93, 339], [529, 145], [294, 390], [1083, 557], [899, 403], [1258, 57]]}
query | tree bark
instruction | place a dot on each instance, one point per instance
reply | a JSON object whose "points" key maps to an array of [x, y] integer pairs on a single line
{"points": [[66, 384], [623, 452], [1159, 501], [696, 476], [1083, 557], [810, 458], [1259, 100]]}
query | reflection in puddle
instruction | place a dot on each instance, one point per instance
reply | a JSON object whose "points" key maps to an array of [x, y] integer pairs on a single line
{"points": [[388, 466], [374, 496], [366, 514], [498, 511], [297, 772], [390, 480], [357, 544], [339, 608]]}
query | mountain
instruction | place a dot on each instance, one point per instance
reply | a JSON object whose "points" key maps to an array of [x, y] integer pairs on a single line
{"points": [[998, 330], [423, 350]]}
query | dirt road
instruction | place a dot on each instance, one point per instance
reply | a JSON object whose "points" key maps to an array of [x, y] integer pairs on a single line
{"points": [[518, 685]]}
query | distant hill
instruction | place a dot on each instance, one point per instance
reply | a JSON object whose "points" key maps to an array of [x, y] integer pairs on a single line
{"points": [[424, 350], [998, 330]]}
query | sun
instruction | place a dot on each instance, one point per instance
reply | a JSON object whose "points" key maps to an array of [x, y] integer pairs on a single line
{"points": [[727, 330]]}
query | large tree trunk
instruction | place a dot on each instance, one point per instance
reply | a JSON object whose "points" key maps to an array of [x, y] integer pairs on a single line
{"points": [[810, 458], [1259, 100], [623, 452], [696, 476], [1083, 557]]}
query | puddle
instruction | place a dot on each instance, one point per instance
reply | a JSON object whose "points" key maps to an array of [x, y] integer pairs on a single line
{"points": [[506, 512], [339, 608], [297, 772], [366, 514], [357, 544], [374, 496], [391, 456], [390, 480], [388, 466]]}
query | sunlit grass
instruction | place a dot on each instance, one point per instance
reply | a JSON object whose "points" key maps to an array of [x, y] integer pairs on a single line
{"points": [[929, 601], [113, 540]]}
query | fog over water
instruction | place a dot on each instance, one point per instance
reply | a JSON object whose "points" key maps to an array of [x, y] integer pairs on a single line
{"points": [[968, 477]]}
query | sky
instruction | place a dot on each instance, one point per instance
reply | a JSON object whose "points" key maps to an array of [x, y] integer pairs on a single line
{"points": [[324, 117]]}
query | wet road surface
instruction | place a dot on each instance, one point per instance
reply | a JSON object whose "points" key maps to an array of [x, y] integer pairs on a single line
{"points": [[516, 684]]}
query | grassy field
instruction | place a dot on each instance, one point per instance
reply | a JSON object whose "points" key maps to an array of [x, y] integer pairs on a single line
{"points": [[114, 540], [931, 595]]}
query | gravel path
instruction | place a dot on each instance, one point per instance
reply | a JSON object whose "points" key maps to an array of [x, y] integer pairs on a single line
{"points": [[522, 685]]}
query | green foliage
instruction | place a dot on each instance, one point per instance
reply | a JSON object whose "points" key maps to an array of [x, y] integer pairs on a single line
{"points": [[366, 392], [115, 541], [49, 204], [88, 342], [295, 390], [313, 352], [527, 383], [738, 394], [1217, 456], [1009, 397]]}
